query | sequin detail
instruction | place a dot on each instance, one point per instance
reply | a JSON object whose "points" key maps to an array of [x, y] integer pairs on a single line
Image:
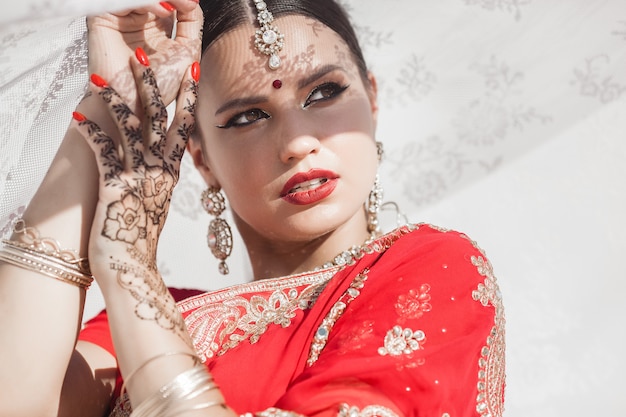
{"points": [[399, 341], [346, 410], [491, 373], [337, 310], [413, 305]]}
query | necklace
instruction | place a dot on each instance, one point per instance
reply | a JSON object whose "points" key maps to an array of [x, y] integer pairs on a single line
{"points": [[351, 255]]}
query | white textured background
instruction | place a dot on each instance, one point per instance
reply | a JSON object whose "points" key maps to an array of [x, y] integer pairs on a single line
{"points": [[505, 119]]}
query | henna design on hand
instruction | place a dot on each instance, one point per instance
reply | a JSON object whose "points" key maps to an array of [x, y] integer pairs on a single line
{"points": [[154, 301], [138, 176]]}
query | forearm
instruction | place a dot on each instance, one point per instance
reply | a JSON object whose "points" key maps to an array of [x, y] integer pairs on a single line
{"points": [[39, 315]]}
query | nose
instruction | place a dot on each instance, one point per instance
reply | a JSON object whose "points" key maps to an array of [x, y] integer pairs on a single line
{"points": [[298, 140]]}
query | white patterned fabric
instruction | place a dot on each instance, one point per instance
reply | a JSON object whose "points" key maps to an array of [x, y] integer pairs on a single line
{"points": [[501, 118]]}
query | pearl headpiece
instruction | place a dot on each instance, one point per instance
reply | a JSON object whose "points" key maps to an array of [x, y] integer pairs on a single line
{"points": [[268, 39]]}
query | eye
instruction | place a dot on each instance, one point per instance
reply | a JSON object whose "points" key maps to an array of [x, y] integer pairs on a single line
{"points": [[324, 92], [245, 118]]}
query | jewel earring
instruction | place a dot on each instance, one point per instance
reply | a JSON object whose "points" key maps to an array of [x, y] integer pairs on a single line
{"points": [[219, 236], [374, 202]]}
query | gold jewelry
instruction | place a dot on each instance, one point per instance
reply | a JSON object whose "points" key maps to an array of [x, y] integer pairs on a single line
{"points": [[173, 398], [45, 256], [220, 236], [268, 39], [373, 205], [32, 240], [154, 358]]}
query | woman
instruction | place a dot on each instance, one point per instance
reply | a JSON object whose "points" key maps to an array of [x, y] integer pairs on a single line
{"points": [[339, 319]]}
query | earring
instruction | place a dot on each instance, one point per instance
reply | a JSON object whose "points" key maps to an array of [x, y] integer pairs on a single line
{"points": [[219, 237], [374, 203]]}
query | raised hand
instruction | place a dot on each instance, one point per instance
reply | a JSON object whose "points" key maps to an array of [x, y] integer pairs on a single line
{"points": [[113, 39], [137, 177]]}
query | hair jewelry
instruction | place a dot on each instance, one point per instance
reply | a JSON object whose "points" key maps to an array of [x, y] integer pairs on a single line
{"points": [[268, 39]]}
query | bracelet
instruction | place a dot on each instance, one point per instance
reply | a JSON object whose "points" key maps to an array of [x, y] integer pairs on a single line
{"points": [[154, 358], [45, 256], [45, 264], [173, 398], [48, 246]]}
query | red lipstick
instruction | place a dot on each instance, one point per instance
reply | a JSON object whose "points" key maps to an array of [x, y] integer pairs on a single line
{"points": [[309, 187]]}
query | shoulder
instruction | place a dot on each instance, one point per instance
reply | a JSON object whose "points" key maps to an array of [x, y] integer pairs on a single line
{"points": [[427, 249]]}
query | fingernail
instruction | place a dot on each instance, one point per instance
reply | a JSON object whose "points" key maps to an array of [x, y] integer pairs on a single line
{"points": [[79, 117], [142, 57], [195, 71], [167, 6], [98, 80]]}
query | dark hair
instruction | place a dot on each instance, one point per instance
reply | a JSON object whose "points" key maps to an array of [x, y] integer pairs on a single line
{"points": [[221, 16]]}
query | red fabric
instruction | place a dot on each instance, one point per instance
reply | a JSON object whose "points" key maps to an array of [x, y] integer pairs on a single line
{"points": [[431, 281]]}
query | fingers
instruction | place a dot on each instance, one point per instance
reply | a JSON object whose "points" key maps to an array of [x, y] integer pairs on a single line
{"points": [[184, 121], [189, 26], [103, 147], [155, 112]]}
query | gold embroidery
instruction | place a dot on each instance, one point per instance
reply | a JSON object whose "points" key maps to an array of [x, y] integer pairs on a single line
{"points": [[370, 411], [321, 336], [223, 319], [491, 374], [399, 341]]}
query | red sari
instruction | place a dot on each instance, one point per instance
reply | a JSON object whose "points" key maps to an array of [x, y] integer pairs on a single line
{"points": [[411, 326]]}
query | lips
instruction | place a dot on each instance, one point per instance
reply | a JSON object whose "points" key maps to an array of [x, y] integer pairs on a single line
{"points": [[309, 187]]}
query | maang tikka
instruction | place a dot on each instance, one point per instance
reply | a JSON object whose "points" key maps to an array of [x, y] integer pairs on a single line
{"points": [[219, 236], [268, 39]]}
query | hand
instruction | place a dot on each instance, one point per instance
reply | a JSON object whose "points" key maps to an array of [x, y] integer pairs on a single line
{"points": [[113, 39], [137, 178]]}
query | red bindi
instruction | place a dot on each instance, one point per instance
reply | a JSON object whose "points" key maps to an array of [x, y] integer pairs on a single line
{"points": [[277, 84]]}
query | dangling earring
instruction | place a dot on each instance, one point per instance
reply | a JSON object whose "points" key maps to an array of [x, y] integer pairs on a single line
{"points": [[219, 237], [374, 202], [375, 199]]}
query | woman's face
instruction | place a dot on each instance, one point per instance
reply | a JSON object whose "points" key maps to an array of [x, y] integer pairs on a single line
{"points": [[295, 162]]}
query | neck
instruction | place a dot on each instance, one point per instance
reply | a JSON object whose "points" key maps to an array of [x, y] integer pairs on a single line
{"points": [[273, 258]]}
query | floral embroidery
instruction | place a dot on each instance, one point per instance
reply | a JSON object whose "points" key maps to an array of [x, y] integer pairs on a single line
{"points": [[399, 341], [491, 376], [221, 320], [370, 411], [414, 304], [337, 310]]}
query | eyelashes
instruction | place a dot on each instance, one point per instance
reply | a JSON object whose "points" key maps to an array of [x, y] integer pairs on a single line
{"points": [[322, 93]]}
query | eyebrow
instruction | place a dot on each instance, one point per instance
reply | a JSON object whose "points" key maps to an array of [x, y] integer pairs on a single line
{"points": [[317, 74], [248, 101], [241, 102]]}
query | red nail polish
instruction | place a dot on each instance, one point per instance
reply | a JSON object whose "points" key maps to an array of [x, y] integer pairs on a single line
{"points": [[98, 80], [167, 6], [195, 71], [79, 117], [142, 57]]}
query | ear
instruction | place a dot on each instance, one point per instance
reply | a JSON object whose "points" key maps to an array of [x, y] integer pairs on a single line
{"points": [[196, 151], [372, 92]]}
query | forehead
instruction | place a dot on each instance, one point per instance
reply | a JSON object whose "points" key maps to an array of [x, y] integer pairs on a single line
{"points": [[232, 63]]}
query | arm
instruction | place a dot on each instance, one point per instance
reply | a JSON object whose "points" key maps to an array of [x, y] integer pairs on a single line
{"points": [[136, 181], [40, 316]]}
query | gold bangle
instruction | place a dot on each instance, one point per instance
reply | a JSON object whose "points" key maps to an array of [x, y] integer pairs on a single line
{"points": [[44, 264], [31, 239], [154, 358]]}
